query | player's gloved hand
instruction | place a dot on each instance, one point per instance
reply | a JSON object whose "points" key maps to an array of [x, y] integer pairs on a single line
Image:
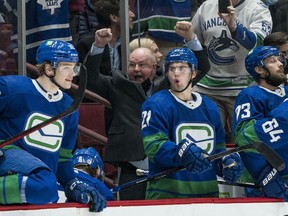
{"points": [[77, 191], [232, 167], [273, 185], [104, 190], [192, 157]]}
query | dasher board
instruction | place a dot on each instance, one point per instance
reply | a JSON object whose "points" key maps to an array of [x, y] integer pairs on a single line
{"points": [[165, 207]]}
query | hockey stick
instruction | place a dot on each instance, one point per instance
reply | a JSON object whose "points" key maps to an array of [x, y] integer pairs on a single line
{"points": [[272, 157], [140, 172], [74, 106], [238, 184]]}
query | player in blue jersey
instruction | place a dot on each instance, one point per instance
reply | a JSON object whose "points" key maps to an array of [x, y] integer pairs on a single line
{"points": [[180, 127], [89, 167], [261, 115], [31, 167]]}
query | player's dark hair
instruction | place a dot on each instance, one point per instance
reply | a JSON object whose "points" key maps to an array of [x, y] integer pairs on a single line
{"points": [[86, 168], [103, 10], [276, 39]]}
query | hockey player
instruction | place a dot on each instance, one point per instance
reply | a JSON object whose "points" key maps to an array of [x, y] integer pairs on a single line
{"points": [[89, 168], [261, 115], [31, 167], [180, 127]]}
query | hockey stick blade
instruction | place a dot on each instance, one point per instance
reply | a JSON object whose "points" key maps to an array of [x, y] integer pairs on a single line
{"points": [[272, 157], [74, 106]]}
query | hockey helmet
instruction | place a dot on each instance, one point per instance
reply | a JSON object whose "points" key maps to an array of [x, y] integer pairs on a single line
{"points": [[56, 51], [181, 55], [256, 58], [88, 156]]}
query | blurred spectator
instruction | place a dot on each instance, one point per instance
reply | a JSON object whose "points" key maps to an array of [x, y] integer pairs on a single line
{"points": [[75, 9], [229, 38], [158, 18], [279, 13], [7, 61], [280, 41], [88, 19], [43, 21], [108, 15]]}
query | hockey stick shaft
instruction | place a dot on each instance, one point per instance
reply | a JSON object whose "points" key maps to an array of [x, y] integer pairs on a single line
{"points": [[140, 172], [272, 157], [238, 184], [74, 106]]}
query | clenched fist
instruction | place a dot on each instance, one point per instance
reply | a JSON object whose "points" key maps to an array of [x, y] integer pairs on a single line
{"points": [[184, 29], [102, 37]]}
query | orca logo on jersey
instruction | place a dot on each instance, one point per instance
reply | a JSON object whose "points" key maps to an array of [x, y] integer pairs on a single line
{"points": [[48, 138], [201, 134], [221, 50]]}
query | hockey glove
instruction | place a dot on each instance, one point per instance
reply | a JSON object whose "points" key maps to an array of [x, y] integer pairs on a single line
{"points": [[77, 191], [232, 167], [104, 190], [191, 157], [273, 185]]}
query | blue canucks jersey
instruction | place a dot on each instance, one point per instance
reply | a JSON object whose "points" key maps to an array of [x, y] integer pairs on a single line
{"points": [[44, 20], [166, 121], [24, 104], [261, 115], [160, 17]]}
